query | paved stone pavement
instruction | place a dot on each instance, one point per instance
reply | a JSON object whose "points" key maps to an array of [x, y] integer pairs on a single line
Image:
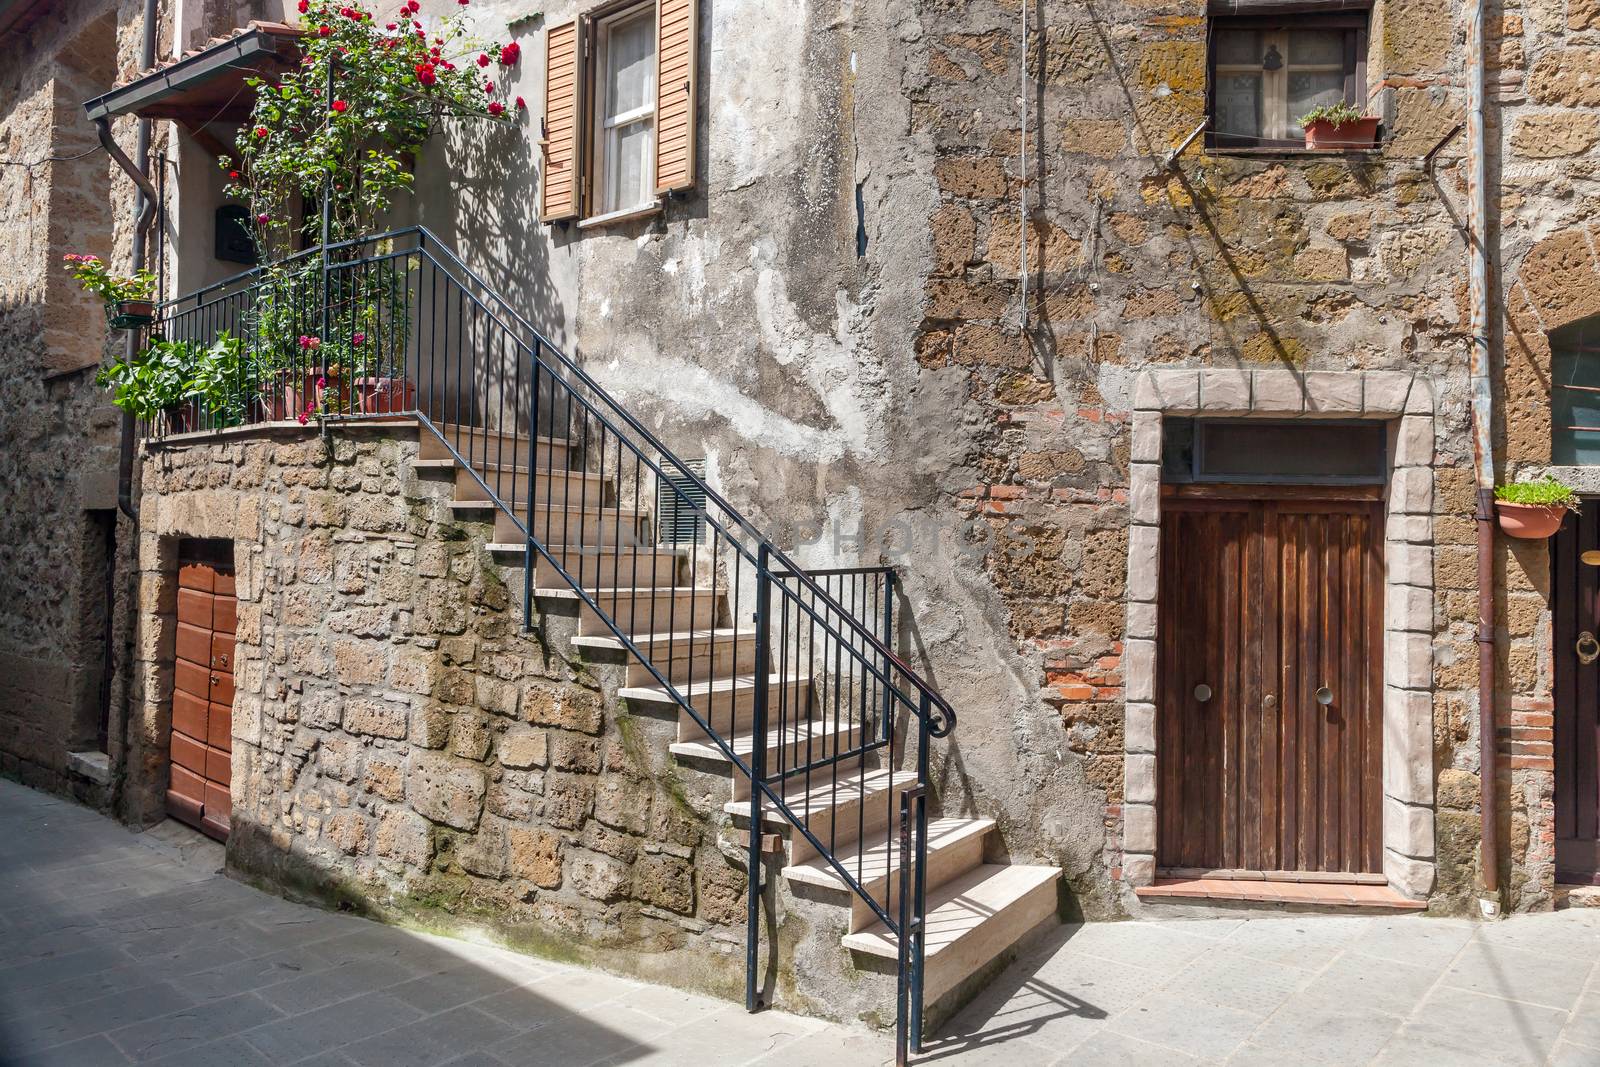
{"points": [[120, 948]]}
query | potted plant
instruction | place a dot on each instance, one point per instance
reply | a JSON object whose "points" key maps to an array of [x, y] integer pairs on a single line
{"points": [[1339, 126], [128, 298], [155, 384], [1533, 510], [224, 379]]}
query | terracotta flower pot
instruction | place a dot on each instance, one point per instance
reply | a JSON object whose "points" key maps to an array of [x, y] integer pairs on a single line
{"points": [[386, 396], [1530, 522], [1362, 133], [292, 398], [130, 314]]}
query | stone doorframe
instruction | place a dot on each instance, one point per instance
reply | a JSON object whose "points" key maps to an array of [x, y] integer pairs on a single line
{"points": [[1406, 402]]}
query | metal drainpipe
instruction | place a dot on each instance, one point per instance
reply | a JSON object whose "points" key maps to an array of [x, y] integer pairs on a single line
{"points": [[144, 211], [1483, 464]]}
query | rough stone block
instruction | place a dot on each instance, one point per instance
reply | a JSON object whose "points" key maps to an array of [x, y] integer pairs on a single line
{"points": [[1413, 446], [1167, 390], [1146, 443], [1138, 869], [599, 878], [1408, 828], [1408, 660], [1277, 392], [1144, 553], [1419, 401], [1139, 779], [1330, 392], [1412, 529], [1139, 827], [1408, 745], [1408, 608], [1410, 564], [1144, 494], [666, 882], [1411, 491], [447, 790], [1225, 391], [406, 837], [1384, 392], [521, 748], [376, 718], [534, 854], [1411, 877], [1139, 669], [1139, 728], [1141, 619]]}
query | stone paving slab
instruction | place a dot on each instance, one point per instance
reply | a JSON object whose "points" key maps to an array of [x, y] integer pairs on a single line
{"points": [[120, 948]]}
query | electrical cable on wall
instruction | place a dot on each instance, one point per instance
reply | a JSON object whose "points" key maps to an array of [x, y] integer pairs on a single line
{"points": [[49, 159]]}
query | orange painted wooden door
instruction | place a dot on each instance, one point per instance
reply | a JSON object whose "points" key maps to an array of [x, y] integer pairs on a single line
{"points": [[1270, 686], [202, 695]]}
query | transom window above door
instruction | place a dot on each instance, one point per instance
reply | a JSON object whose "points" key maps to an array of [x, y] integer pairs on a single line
{"points": [[1268, 72]]}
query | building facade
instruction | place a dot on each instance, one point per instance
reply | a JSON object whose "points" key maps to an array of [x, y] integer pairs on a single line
{"points": [[1162, 421]]}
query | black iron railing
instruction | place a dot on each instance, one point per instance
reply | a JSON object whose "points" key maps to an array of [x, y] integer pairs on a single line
{"points": [[789, 673]]}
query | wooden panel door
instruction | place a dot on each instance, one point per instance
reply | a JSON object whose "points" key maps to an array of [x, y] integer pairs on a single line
{"points": [[1576, 586], [1269, 686], [202, 698]]}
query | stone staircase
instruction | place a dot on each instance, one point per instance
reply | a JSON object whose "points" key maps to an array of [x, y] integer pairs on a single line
{"points": [[976, 910]]}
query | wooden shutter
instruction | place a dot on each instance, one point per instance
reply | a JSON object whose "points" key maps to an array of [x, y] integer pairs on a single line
{"points": [[677, 29], [563, 93]]}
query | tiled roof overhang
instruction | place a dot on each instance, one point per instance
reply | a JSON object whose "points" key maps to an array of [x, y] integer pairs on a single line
{"points": [[206, 84]]}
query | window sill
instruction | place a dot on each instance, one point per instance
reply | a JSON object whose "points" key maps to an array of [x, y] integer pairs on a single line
{"points": [[627, 214]]}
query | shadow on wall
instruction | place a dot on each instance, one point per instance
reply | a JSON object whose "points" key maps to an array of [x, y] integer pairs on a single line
{"points": [[487, 209], [115, 943]]}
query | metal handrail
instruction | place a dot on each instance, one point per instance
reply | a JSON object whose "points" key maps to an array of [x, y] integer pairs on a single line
{"points": [[490, 348]]}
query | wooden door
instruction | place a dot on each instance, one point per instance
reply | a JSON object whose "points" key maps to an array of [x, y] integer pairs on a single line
{"points": [[1576, 586], [1269, 736], [202, 695]]}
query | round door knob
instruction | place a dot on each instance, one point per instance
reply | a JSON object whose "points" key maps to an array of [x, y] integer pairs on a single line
{"points": [[1324, 696], [1202, 692], [1270, 702]]}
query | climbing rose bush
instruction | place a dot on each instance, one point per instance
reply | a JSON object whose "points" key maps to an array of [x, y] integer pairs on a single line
{"points": [[394, 81]]}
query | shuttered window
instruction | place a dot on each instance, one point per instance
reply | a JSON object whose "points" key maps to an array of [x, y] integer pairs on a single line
{"points": [[680, 503], [620, 106], [562, 83]]}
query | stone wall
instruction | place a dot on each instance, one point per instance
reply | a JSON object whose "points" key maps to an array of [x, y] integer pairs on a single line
{"points": [[401, 746], [58, 522], [1278, 262]]}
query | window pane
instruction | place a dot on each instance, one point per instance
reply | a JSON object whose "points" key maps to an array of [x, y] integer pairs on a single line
{"points": [[1239, 104], [630, 63], [1238, 47], [1316, 48], [1309, 89], [633, 143]]}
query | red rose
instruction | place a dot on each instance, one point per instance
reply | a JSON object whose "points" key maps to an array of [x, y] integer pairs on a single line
{"points": [[389, 26], [483, 59], [323, 31], [521, 104], [233, 175], [496, 108], [304, 6], [488, 87], [340, 106], [510, 53], [261, 131], [425, 74]]}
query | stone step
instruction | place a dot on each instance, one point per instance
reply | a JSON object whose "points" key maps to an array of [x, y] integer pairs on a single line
{"points": [[550, 486], [955, 846], [647, 609], [971, 920], [554, 524], [838, 811], [727, 703], [478, 445], [686, 655], [798, 743], [638, 565]]}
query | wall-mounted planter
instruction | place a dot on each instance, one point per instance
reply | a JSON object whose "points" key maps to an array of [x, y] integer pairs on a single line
{"points": [[1362, 133], [1529, 522], [130, 314]]}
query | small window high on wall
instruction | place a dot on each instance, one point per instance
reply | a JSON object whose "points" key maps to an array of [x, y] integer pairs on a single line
{"points": [[1575, 394], [1271, 63], [619, 110]]}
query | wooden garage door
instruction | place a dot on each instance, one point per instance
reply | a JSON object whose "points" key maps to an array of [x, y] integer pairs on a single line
{"points": [[202, 695], [1268, 736]]}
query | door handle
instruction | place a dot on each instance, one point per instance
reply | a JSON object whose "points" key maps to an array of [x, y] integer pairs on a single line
{"points": [[1202, 692], [1324, 696], [1587, 648], [1269, 702]]}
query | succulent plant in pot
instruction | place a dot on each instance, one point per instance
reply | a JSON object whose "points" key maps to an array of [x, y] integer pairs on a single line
{"points": [[1534, 510], [1339, 125]]}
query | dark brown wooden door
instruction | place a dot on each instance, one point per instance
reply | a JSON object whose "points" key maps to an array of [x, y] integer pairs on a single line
{"points": [[1576, 587], [1269, 683], [202, 696]]}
